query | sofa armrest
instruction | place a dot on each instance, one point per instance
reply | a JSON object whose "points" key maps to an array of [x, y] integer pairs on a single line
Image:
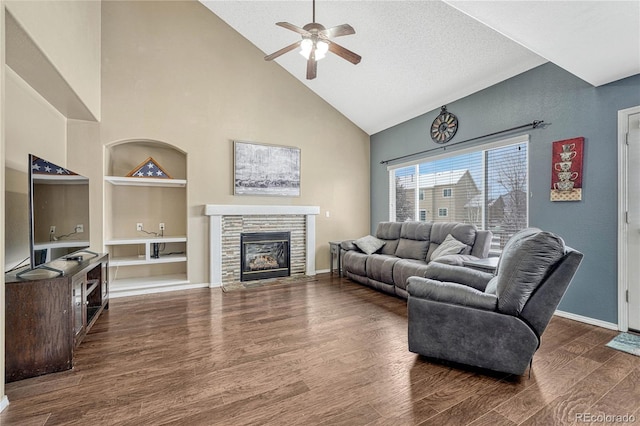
{"points": [[451, 293], [458, 274]]}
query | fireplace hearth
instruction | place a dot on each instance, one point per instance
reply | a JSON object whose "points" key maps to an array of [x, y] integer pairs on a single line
{"points": [[264, 255]]}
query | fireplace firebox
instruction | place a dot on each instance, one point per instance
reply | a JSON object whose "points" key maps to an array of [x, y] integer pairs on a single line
{"points": [[264, 255]]}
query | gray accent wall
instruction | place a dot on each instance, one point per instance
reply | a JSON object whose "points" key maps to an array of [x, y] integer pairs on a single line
{"points": [[571, 108]]}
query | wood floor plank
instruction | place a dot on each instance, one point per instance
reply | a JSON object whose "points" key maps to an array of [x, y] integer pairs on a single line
{"points": [[622, 399], [319, 352], [579, 398], [548, 387]]}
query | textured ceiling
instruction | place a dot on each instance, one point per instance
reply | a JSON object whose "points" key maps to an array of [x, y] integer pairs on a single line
{"points": [[419, 55]]}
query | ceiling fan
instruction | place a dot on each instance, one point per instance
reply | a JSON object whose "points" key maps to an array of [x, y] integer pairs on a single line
{"points": [[316, 42]]}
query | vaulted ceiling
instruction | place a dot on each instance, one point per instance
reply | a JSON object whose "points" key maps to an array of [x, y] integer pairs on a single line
{"points": [[419, 55]]}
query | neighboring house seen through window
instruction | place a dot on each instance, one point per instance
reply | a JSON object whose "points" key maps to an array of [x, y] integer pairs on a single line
{"points": [[486, 186]]}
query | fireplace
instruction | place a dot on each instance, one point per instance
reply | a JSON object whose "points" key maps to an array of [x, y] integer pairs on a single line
{"points": [[264, 255]]}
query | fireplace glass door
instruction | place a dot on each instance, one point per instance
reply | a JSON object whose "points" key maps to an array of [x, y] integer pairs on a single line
{"points": [[264, 255]]}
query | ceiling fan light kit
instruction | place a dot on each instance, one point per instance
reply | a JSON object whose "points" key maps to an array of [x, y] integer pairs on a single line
{"points": [[316, 43]]}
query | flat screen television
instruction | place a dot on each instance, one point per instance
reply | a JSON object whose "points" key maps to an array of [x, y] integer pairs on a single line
{"points": [[58, 211]]}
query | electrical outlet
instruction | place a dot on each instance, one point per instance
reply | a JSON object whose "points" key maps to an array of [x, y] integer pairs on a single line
{"points": [[162, 226], [52, 229], [79, 228], [138, 226]]}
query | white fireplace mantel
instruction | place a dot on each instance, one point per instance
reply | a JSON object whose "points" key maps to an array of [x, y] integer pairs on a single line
{"points": [[217, 211]]}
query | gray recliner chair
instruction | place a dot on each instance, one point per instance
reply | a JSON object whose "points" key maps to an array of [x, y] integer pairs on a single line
{"points": [[494, 322]]}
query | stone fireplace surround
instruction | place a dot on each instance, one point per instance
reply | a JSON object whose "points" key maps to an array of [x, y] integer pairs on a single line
{"points": [[223, 227]]}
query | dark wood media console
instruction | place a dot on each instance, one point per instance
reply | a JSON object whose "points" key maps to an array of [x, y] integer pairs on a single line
{"points": [[46, 318]]}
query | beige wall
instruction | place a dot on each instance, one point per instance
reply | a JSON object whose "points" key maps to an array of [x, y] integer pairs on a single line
{"points": [[16, 215], [174, 72], [2, 145], [68, 33], [84, 156], [33, 126]]}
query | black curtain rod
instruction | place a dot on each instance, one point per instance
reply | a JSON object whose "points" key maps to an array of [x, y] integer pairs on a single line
{"points": [[535, 124]]}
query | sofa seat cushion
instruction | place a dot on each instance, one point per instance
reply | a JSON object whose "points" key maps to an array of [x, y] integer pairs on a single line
{"points": [[455, 259], [525, 262], [355, 262], [406, 268], [380, 267]]}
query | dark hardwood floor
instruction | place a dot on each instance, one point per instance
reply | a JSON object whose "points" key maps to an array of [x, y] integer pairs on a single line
{"points": [[322, 352]]}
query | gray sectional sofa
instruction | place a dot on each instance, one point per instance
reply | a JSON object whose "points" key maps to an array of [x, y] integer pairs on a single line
{"points": [[407, 248]]}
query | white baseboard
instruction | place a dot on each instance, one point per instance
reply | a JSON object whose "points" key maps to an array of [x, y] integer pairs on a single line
{"points": [[323, 271], [587, 320], [4, 403], [139, 292]]}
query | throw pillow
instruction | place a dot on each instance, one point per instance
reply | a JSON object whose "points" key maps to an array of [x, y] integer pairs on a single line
{"points": [[369, 244], [449, 246]]}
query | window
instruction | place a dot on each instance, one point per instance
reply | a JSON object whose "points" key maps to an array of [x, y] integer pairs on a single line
{"points": [[486, 186]]}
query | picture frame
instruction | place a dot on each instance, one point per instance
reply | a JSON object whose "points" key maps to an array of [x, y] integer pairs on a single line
{"points": [[566, 169], [149, 168], [262, 169]]}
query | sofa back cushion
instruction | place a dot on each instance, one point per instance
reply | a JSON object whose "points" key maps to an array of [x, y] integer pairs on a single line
{"points": [[412, 249], [414, 240], [420, 231], [390, 232], [462, 232], [526, 260]]}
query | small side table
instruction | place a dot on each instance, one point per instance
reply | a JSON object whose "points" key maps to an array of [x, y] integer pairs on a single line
{"points": [[490, 264], [334, 249]]}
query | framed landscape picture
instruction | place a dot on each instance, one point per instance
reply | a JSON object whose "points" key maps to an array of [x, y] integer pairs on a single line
{"points": [[261, 169]]}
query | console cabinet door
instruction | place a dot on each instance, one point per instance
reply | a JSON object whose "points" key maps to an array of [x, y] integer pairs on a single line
{"points": [[38, 328], [78, 305]]}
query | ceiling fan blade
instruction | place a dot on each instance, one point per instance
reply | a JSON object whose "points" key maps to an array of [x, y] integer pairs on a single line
{"points": [[350, 56], [312, 66], [338, 31], [293, 28], [282, 51]]}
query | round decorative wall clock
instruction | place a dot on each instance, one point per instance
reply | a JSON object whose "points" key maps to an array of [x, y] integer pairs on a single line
{"points": [[444, 127]]}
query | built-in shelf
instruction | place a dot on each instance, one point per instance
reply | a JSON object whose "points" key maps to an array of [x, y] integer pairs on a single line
{"points": [[61, 244], [142, 260], [136, 181], [146, 258], [145, 240]]}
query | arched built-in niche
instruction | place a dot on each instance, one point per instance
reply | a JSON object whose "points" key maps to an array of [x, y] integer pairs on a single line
{"points": [[151, 259]]}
